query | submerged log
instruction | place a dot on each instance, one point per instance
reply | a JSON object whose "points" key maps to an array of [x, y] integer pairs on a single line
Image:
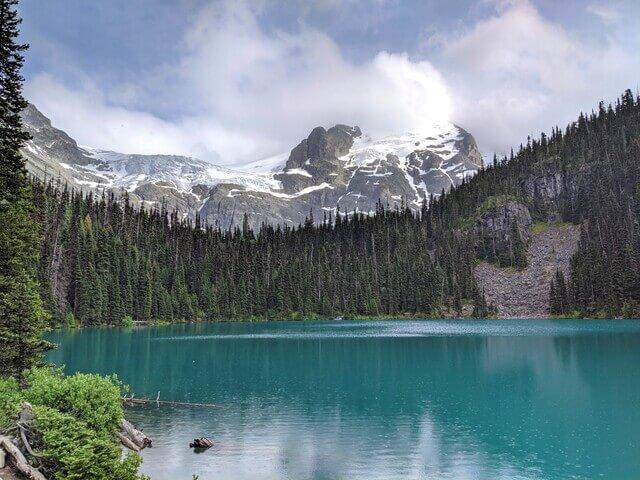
{"points": [[145, 401], [135, 401], [18, 461], [201, 443]]}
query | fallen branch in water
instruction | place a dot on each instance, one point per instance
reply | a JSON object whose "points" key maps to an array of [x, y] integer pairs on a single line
{"points": [[201, 443], [145, 401], [126, 441]]}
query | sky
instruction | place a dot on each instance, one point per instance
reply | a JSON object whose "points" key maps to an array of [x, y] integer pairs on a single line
{"points": [[234, 81]]}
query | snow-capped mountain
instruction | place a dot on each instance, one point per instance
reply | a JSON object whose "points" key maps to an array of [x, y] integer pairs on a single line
{"points": [[181, 182], [342, 166], [339, 166]]}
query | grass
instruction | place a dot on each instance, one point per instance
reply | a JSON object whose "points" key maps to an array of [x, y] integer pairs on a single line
{"points": [[495, 201], [541, 227]]}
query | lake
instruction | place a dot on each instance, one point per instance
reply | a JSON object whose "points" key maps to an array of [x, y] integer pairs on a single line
{"points": [[379, 399]]}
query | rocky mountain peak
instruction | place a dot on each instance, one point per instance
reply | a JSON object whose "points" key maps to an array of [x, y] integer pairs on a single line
{"points": [[33, 118], [340, 165]]}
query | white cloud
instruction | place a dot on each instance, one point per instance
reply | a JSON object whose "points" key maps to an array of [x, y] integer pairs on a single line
{"points": [[606, 12], [517, 73], [244, 92], [91, 120], [249, 93]]}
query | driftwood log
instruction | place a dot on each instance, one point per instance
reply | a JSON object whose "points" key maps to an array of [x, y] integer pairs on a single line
{"points": [[18, 461], [201, 443], [129, 436], [126, 441], [130, 401], [132, 438], [25, 420]]}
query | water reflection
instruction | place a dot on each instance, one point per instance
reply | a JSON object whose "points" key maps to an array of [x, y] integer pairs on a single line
{"points": [[381, 399]]}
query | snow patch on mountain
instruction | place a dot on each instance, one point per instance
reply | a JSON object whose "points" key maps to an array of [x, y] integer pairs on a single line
{"points": [[127, 171], [269, 165], [439, 139]]}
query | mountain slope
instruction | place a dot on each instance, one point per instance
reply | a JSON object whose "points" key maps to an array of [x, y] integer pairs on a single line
{"points": [[180, 182], [343, 167], [330, 167], [525, 293]]}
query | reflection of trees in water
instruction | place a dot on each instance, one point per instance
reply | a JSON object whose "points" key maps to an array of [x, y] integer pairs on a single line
{"points": [[534, 401]]}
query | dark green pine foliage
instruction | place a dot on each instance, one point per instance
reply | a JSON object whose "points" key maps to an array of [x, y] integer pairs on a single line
{"points": [[597, 160], [518, 255], [103, 260], [480, 307], [22, 318], [558, 299]]}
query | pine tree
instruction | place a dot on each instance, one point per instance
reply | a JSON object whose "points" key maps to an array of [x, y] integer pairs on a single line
{"points": [[22, 318], [558, 302], [393, 262]]}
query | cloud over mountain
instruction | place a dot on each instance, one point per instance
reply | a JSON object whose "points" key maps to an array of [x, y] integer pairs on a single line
{"points": [[242, 86], [244, 93]]}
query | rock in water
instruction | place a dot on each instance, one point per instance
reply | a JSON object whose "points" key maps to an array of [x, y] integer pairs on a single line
{"points": [[202, 442]]}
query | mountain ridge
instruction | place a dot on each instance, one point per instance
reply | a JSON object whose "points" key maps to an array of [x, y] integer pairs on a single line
{"points": [[339, 166]]}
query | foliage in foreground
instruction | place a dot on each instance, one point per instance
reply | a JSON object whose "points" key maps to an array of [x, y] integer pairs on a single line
{"points": [[75, 421]]}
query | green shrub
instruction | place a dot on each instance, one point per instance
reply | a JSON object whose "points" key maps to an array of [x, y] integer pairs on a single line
{"points": [[70, 320], [127, 321], [10, 398], [90, 398], [72, 450], [75, 420]]}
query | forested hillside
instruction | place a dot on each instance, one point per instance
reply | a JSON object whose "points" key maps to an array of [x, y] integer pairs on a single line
{"points": [[104, 262]]}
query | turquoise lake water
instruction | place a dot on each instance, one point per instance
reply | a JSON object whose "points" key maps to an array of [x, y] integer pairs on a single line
{"points": [[377, 400]]}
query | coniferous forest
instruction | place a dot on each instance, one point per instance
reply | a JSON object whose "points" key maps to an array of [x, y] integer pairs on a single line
{"points": [[104, 262]]}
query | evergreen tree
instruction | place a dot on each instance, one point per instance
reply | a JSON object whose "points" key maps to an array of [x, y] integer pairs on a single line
{"points": [[22, 318], [558, 301]]}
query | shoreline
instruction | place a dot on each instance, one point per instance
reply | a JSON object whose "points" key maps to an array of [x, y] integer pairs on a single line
{"points": [[358, 318]]}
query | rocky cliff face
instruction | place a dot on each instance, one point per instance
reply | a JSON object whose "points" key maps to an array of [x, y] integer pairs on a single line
{"points": [[498, 223], [336, 166], [343, 167], [547, 193], [502, 229]]}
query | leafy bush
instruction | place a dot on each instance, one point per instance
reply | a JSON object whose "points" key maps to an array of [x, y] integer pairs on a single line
{"points": [[10, 398], [75, 420], [72, 450], [89, 398]]}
